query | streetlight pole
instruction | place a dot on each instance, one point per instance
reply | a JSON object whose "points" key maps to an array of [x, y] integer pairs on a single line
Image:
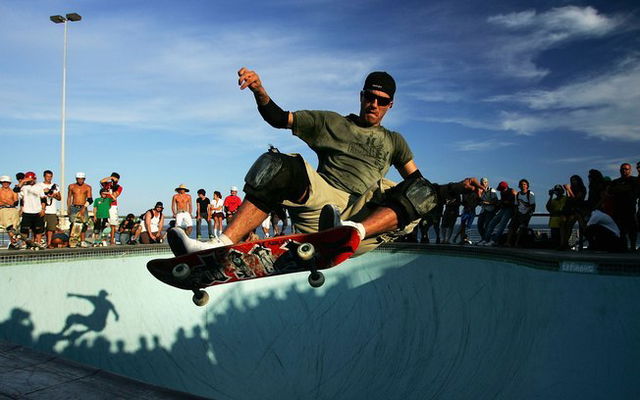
{"points": [[59, 19]]}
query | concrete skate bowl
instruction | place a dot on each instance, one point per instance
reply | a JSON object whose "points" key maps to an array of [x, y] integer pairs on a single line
{"points": [[398, 323]]}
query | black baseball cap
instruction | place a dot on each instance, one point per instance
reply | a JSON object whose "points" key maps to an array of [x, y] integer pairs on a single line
{"points": [[159, 204], [382, 81]]}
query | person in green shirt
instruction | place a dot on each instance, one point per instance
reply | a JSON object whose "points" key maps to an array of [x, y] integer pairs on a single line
{"points": [[349, 187], [101, 207]]}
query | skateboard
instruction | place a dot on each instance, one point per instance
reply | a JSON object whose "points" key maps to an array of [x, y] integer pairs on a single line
{"points": [[250, 260], [23, 242], [76, 231]]}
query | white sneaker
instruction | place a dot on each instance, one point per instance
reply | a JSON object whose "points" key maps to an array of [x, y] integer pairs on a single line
{"points": [[330, 218], [480, 243], [491, 243], [182, 244]]}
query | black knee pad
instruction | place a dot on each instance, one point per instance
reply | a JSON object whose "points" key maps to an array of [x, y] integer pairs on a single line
{"points": [[411, 199], [275, 177]]}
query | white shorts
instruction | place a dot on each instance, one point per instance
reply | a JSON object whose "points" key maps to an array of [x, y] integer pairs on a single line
{"points": [[183, 220], [113, 216], [266, 224]]}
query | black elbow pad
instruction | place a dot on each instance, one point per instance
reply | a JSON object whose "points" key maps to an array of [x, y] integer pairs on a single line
{"points": [[274, 115]]}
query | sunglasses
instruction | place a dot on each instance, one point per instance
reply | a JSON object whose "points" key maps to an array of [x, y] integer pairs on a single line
{"points": [[370, 97]]}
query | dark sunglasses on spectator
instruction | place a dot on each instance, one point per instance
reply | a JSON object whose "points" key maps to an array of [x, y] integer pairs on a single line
{"points": [[370, 97]]}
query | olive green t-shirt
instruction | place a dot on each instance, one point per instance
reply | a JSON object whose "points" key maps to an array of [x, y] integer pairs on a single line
{"points": [[351, 157]]}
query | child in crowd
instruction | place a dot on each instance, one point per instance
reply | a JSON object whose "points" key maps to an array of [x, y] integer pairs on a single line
{"points": [[101, 207]]}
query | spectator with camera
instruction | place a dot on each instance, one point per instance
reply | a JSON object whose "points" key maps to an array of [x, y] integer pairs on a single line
{"points": [[557, 219], [127, 229], [52, 193]]}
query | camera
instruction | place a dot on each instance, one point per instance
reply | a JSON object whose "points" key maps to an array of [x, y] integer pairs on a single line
{"points": [[52, 190]]}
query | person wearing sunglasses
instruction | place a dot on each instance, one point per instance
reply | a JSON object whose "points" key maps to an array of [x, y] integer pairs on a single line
{"points": [[151, 225], [348, 187]]}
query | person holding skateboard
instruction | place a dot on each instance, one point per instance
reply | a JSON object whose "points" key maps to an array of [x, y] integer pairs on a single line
{"points": [[111, 183], [78, 201], [348, 188]]}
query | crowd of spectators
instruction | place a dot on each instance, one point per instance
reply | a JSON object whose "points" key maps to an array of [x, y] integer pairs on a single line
{"points": [[606, 212], [29, 213]]}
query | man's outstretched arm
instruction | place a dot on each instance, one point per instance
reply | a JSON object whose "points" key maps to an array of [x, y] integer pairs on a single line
{"points": [[270, 111]]}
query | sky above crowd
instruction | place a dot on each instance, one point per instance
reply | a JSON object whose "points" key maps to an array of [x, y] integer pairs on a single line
{"points": [[508, 90]]}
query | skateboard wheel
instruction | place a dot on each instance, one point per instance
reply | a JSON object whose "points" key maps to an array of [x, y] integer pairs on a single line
{"points": [[316, 279], [200, 298], [181, 271], [306, 251]]}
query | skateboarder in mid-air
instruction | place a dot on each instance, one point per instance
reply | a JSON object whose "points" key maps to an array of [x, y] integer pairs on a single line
{"points": [[348, 188]]}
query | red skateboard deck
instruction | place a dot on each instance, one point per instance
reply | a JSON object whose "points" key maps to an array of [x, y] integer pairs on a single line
{"points": [[259, 259]]}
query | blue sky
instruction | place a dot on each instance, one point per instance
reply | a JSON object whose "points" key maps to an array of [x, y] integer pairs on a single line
{"points": [[505, 89]]}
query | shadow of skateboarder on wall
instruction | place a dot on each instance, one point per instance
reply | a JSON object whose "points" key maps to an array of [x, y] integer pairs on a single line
{"points": [[94, 322]]}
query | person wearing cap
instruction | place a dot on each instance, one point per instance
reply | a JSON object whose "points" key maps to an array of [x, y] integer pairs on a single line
{"points": [[151, 225], [557, 219], [112, 184], [53, 195], [127, 229], [355, 153], [9, 213], [506, 208], [33, 208], [231, 204], [182, 208], [79, 199]]}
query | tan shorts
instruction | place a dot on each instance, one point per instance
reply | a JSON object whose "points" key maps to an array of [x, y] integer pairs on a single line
{"points": [[51, 222], [354, 208], [10, 217]]}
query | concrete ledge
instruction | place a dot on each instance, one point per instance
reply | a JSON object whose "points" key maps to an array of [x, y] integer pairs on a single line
{"points": [[28, 374], [564, 261]]}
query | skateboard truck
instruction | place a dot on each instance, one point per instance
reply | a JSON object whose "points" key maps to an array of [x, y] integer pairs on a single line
{"points": [[306, 252]]}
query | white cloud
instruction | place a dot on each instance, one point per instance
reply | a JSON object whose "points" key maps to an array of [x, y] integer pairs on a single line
{"points": [[484, 145], [565, 21], [529, 33], [605, 106]]}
